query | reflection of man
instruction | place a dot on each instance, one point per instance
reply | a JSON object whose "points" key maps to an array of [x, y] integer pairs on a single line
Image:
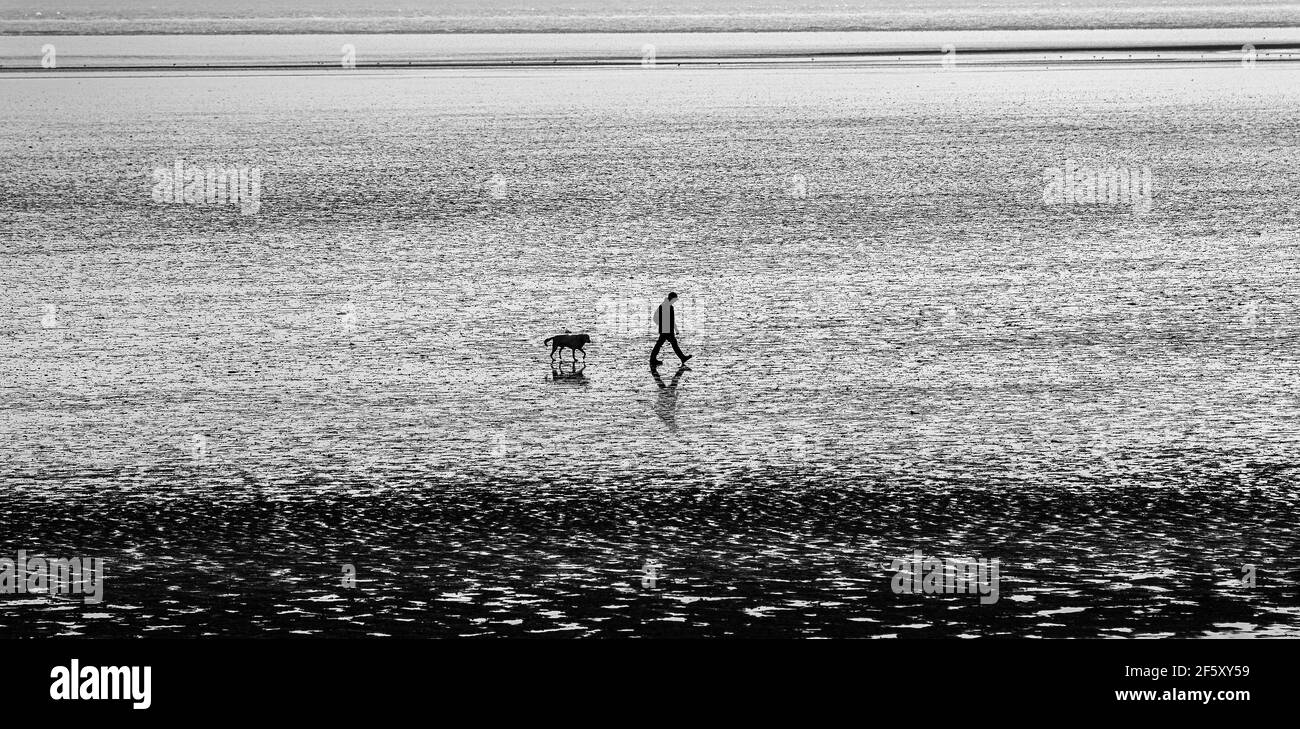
{"points": [[666, 406], [666, 325]]}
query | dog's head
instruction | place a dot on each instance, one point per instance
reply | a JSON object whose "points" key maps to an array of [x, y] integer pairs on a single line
{"points": [[584, 338]]}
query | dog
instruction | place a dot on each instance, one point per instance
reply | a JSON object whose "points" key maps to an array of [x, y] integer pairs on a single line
{"points": [[567, 340]]}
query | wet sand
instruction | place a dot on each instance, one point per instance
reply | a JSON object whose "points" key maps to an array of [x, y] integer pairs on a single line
{"points": [[899, 346]]}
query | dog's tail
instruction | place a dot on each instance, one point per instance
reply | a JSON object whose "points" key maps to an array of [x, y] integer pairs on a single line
{"points": [[548, 339]]}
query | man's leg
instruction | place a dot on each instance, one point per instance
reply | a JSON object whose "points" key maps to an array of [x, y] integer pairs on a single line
{"points": [[654, 353], [672, 339]]}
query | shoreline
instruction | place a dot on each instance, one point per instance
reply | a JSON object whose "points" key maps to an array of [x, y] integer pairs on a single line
{"points": [[931, 61], [299, 52], [22, 33]]}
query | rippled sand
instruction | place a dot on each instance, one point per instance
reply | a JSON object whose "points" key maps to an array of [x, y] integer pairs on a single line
{"points": [[898, 346]]}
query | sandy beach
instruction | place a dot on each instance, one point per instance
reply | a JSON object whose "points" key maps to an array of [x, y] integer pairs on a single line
{"points": [[898, 341]]}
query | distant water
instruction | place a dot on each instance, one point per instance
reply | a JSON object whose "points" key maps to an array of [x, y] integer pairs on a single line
{"points": [[532, 16], [899, 346], [1002, 47]]}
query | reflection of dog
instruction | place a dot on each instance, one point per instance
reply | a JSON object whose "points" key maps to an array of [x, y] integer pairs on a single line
{"points": [[576, 342], [573, 377]]}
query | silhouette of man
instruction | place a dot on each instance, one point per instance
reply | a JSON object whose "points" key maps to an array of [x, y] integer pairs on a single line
{"points": [[666, 324]]}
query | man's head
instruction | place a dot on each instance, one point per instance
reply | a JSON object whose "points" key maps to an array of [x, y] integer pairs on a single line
{"points": [[672, 295]]}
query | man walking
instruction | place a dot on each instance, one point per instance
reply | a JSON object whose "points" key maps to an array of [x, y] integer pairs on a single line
{"points": [[666, 323]]}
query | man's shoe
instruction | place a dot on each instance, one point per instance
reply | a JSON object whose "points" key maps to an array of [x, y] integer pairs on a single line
{"points": [[686, 358]]}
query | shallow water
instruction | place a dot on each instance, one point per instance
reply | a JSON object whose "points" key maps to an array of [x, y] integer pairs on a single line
{"points": [[898, 345], [925, 47]]}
